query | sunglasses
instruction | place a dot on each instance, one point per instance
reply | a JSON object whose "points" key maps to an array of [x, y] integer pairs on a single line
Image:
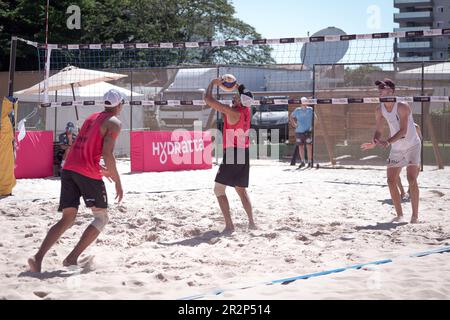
{"points": [[383, 86]]}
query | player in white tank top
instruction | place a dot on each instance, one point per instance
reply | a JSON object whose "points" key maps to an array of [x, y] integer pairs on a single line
{"points": [[411, 139], [405, 147]]}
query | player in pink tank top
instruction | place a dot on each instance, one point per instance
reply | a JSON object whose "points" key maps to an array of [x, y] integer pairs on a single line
{"points": [[82, 177], [235, 168]]}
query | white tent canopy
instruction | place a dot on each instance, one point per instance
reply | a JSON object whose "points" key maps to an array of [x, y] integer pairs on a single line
{"points": [[89, 92], [72, 77]]}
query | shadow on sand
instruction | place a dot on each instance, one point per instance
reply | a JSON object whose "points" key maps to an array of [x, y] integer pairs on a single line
{"points": [[207, 237]]}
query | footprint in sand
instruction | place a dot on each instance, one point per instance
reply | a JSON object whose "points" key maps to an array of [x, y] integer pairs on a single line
{"points": [[41, 294], [84, 265], [437, 193], [270, 235]]}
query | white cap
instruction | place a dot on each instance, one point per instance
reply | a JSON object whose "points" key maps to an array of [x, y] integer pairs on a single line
{"points": [[304, 100], [246, 100], [112, 98]]}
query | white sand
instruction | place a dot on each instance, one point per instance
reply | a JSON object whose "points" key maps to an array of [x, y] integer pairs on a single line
{"points": [[162, 245]]}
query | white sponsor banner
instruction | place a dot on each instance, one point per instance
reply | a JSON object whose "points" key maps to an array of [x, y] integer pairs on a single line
{"points": [[173, 102], [405, 99], [141, 45], [400, 34], [167, 45], [192, 45], [432, 32], [339, 101], [302, 40], [332, 38], [148, 103], [371, 100], [363, 36], [245, 42], [273, 41], [218, 43], [281, 101], [439, 99], [198, 102], [311, 101]]}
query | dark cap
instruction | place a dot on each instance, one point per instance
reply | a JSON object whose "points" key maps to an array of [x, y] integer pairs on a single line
{"points": [[385, 83], [70, 126]]}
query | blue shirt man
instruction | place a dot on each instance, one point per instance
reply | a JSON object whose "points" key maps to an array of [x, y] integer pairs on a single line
{"points": [[302, 120], [304, 117]]}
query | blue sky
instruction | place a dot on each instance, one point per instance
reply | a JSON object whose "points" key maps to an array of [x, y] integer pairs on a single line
{"points": [[291, 18]]}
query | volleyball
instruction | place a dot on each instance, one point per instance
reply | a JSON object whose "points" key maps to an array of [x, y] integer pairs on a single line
{"points": [[228, 82]]}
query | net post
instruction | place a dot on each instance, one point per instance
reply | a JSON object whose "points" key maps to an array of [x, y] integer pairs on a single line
{"points": [[314, 112], [12, 65], [421, 114], [131, 100], [217, 116]]}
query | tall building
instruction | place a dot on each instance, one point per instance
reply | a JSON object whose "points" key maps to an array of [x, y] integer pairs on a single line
{"points": [[422, 14]]}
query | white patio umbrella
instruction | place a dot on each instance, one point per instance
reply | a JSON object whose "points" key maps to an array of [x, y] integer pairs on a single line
{"points": [[91, 91], [72, 77]]}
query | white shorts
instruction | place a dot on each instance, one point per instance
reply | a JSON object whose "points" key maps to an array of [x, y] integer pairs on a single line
{"points": [[404, 158]]}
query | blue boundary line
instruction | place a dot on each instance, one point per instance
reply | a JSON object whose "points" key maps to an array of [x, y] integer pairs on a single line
{"points": [[318, 274]]}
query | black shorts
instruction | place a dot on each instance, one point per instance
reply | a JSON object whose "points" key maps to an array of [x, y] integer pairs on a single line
{"points": [[75, 185], [303, 137], [235, 168]]}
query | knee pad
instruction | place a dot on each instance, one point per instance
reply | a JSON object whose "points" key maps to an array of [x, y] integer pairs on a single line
{"points": [[219, 189], [100, 220]]}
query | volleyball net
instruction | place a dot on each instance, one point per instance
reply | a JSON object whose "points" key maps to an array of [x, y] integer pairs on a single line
{"points": [[165, 84]]}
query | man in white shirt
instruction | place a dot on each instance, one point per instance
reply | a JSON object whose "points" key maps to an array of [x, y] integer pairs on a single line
{"points": [[405, 147]]}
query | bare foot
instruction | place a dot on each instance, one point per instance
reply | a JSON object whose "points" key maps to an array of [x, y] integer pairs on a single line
{"points": [[227, 231], [67, 262], [397, 219], [35, 265], [252, 226], [414, 220]]}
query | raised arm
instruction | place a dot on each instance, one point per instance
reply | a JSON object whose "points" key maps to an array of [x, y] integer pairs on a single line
{"points": [[213, 103]]}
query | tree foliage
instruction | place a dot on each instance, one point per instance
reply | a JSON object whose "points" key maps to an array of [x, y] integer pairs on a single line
{"points": [[122, 21]]}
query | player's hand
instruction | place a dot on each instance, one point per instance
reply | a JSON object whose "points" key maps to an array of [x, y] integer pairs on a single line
{"points": [[104, 171], [383, 143], [119, 192], [216, 81], [368, 146]]}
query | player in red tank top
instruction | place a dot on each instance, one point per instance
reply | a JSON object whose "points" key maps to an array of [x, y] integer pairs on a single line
{"points": [[82, 177], [235, 168]]}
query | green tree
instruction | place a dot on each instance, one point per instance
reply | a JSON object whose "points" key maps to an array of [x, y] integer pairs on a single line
{"points": [[121, 21], [360, 76]]}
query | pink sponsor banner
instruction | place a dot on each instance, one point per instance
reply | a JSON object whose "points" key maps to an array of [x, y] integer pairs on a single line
{"points": [[170, 151], [34, 155]]}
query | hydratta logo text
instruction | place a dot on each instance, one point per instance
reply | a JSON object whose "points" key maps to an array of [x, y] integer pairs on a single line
{"points": [[165, 149], [187, 148]]}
